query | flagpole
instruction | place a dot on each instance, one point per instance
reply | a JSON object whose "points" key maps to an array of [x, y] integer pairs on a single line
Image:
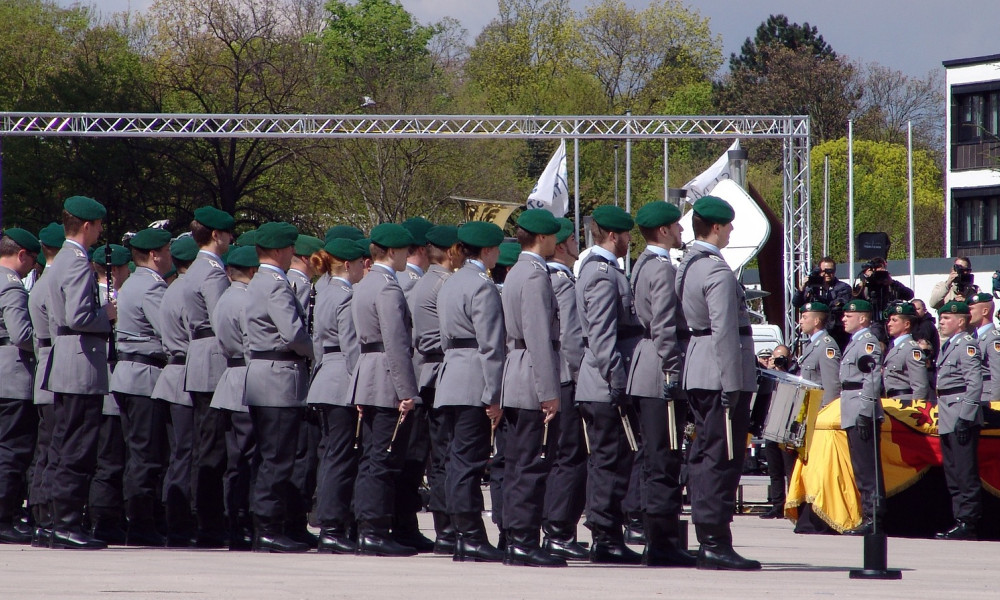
{"points": [[850, 201], [666, 170], [909, 161], [826, 205], [628, 187], [576, 188]]}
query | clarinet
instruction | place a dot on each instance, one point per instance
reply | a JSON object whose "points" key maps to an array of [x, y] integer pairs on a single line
{"points": [[112, 348], [311, 318]]}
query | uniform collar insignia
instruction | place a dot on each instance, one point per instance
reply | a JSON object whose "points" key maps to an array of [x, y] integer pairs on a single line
{"points": [[277, 277], [214, 264], [79, 253]]}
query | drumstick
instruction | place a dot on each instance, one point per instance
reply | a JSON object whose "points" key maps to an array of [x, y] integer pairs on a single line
{"points": [[729, 434], [357, 433], [399, 422], [586, 438], [545, 440], [672, 424], [629, 434]]}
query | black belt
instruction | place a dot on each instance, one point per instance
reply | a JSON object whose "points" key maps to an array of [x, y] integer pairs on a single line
{"points": [[432, 357], [143, 359], [330, 349], [285, 355], [746, 330], [630, 331], [898, 392], [201, 334], [950, 391], [44, 343], [372, 347], [5, 341], [519, 344], [851, 386], [987, 377], [455, 343], [236, 361], [177, 360], [647, 334], [64, 331]]}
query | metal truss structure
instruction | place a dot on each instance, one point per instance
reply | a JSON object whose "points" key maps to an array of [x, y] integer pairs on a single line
{"points": [[792, 130]]}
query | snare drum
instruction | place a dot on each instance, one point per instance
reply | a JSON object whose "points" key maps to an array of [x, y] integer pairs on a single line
{"points": [[785, 421]]}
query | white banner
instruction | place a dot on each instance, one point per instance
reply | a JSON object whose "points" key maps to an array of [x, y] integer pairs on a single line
{"points": [[702, 184], [551, 192]]}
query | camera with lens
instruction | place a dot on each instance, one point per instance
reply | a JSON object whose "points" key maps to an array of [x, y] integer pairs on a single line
{"points": [[964, 278], [781, 362], [815, 278]]}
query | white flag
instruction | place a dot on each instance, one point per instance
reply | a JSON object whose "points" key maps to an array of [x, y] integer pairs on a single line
{"points": [[551, 191], [703, 183]]}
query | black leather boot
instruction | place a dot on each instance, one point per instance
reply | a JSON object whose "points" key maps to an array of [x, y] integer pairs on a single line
{"points": [[560, 540], [523, 550], [374, 540], [716, 552], [106, 525], [663, 547], [445, 534], [41, 537], [142, 523], [609, 548], [333, 539], [297, 528], [406, 532], [473, 544], [269, 537], [241, 532], [67, 530], [634, 532], [9, 534], [960, 531]]}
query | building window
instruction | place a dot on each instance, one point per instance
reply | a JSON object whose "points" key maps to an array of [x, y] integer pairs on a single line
{"points": [[976, 221], [976, 126]]}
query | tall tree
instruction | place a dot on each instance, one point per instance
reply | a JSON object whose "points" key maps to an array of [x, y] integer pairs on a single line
{"points": [[777, 32], [890, 99]]}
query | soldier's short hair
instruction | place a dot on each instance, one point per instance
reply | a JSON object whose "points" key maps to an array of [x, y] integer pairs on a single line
{"points": [[436, 254], [599, 234], [469, 251], [72, 225], [202, 235], [701, 227], [378, 252], [8, 247], [525, 238]]}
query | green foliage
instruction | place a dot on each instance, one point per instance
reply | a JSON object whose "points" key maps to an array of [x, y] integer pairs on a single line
{"points": [[777, 32]]}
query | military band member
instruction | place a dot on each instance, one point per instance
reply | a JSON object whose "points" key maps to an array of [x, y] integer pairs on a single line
{"points": [[960, 418], [719, 376], [468, 386], [18, 419], [141, 359], [904, 369], [861, 410], [654, 384], [417, 261], [384, 388], [531, 390], [566, 488], [300, 274], [427, 358], [77, 371], [981, 308], [820, 358], [611, 332], [277, 381], [229, 321]]}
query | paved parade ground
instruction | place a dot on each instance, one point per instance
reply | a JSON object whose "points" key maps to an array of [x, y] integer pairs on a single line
{"points": [[795, 566]]}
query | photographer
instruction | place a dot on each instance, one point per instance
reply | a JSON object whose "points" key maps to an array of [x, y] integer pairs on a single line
{"points": [[823, 286], [876, 285], [958, 286]]}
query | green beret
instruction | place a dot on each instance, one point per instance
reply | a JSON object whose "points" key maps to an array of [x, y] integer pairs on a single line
{"points": [[347, 232], [307, 245], [247, 238], [714, 210], [366, 247], [119, 255], [243, 257], [52, 235], [612, 218], [657, 214], [901, 308], [480, 234], [954, 308], [815, 307], [442, 236], [418, 226], [24, 239], [150, 239], [391, 235], [566, 229], [344, 249], [858, 306], [509, 251], [980, 297], [184, 248], [131, 266], [213, 218], [538, 221], [276, 234], [85, 208], [40, 260]]}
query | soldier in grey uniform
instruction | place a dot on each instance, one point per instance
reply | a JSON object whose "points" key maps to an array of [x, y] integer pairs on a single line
{"points": [[960, 418], [719, 376], [384, 388], [611, 331], [177, 500], [654, 384], [468, 385], [417, 261], [861, 410], [566, 489], [76, 371], [140, 361], [340, 262], [531, 390], [52, 237], [981, 308], [820, 358], [428, 355], [904, 368], [276, 385], [229, 322], [18, 419], [202, 286]]}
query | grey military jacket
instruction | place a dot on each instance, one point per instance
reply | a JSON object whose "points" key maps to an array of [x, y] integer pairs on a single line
{"points": [[174, 335], [79, 359], [229, 320], [904, 372], [275, 323], [408, 278], [959, 383], [204, 283], [658, 357], [383, 377], [820, 363], [531, 317], [39, 312], [570, 330], [334, 331], [301, 286], [720, 354], [138, 332], [422, 299], [865, 399], [470, 311], [17, 356], [989, 349]]}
